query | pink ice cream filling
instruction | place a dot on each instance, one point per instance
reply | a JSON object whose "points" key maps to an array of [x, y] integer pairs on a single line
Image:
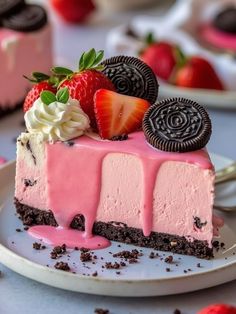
{"points": [[74, 186]]}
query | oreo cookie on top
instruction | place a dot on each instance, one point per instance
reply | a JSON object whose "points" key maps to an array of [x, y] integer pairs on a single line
{"points": [[132, 77], [177, 125], [26, 19], [10, 6], [225, 20]]}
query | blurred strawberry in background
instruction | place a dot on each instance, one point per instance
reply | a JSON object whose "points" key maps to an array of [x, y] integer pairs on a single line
{"points": [[163, 57], [73, 11], [170, 64], [198, 73]]}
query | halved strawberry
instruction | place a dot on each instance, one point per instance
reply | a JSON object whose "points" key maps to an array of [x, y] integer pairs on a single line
{"points": [[118, 114]]}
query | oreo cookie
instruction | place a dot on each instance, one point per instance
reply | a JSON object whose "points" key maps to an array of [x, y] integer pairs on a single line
{"points": [[132, 77], [226, 20], [177, 125], [10, 6], [27, 19]]}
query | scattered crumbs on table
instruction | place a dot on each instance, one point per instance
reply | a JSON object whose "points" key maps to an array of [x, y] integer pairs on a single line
{"points": [[62, 266]]}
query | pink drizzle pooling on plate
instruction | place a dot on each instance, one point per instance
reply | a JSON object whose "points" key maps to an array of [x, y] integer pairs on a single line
{"points": [[218, 38], [70, 195]]}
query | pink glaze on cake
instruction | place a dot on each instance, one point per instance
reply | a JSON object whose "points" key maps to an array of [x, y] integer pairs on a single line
{"points": [[22, 53], [69, 194], [218, 38]]}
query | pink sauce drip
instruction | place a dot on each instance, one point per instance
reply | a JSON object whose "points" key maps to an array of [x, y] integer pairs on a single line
{"points": [[74, 184], [71, 237], [218, 38]]}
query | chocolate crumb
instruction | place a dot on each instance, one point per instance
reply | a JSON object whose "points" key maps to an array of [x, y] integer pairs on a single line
{"points": [[30, 149], [69, 143], [95, 274], [168, 269], [122, 137], [76, 248], [118, 272], [177, 311], [216, 244], [28, 182], [198, 265], [152, 255], [133, 261], [185, 271], [85, 257], [101, 311], [169, 259], [26, 228], [134, 254], [58, 251], [38, 246], [197, 222], [109, 265], [123, 264], [62, 266], [84, 250], [18, 230]]}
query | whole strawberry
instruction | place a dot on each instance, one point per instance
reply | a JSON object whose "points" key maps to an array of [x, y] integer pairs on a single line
{"points": [[73, 11], [198, 73], [164, 58], [41, 82], [218, 309], [83, 84]]}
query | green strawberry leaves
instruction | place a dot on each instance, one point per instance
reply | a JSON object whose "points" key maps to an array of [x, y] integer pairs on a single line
{"points": [[61, 71], [91, 60], [63, 95], [150, 39], [48, 97], [37, 77]]}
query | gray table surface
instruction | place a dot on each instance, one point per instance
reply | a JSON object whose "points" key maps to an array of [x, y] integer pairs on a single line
{"points": [[21, 295]]}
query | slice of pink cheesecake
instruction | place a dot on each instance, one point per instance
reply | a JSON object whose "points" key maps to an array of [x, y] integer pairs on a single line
{"points": [[125, 191], [20, 53]]}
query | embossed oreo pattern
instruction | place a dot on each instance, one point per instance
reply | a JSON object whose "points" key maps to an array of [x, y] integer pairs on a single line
{"points": [[29, 18], [177, 125], [132, 77]]}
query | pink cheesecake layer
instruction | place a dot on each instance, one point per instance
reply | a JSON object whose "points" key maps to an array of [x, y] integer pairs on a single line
{"points": [[22, 53], [78, 177], [218, 38]]}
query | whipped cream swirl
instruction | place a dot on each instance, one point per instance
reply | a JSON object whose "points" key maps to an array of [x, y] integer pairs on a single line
{"points": [[57, 121]]}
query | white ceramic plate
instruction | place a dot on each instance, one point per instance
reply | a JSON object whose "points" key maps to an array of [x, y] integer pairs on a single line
{"points": [[146, 278], [208, 98]]}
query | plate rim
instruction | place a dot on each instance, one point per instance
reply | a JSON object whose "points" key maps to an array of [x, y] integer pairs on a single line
{"points": [[9, 258]]}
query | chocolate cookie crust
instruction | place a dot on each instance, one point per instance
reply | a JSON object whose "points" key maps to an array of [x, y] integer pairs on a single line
{"points": [[120, 232]]}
